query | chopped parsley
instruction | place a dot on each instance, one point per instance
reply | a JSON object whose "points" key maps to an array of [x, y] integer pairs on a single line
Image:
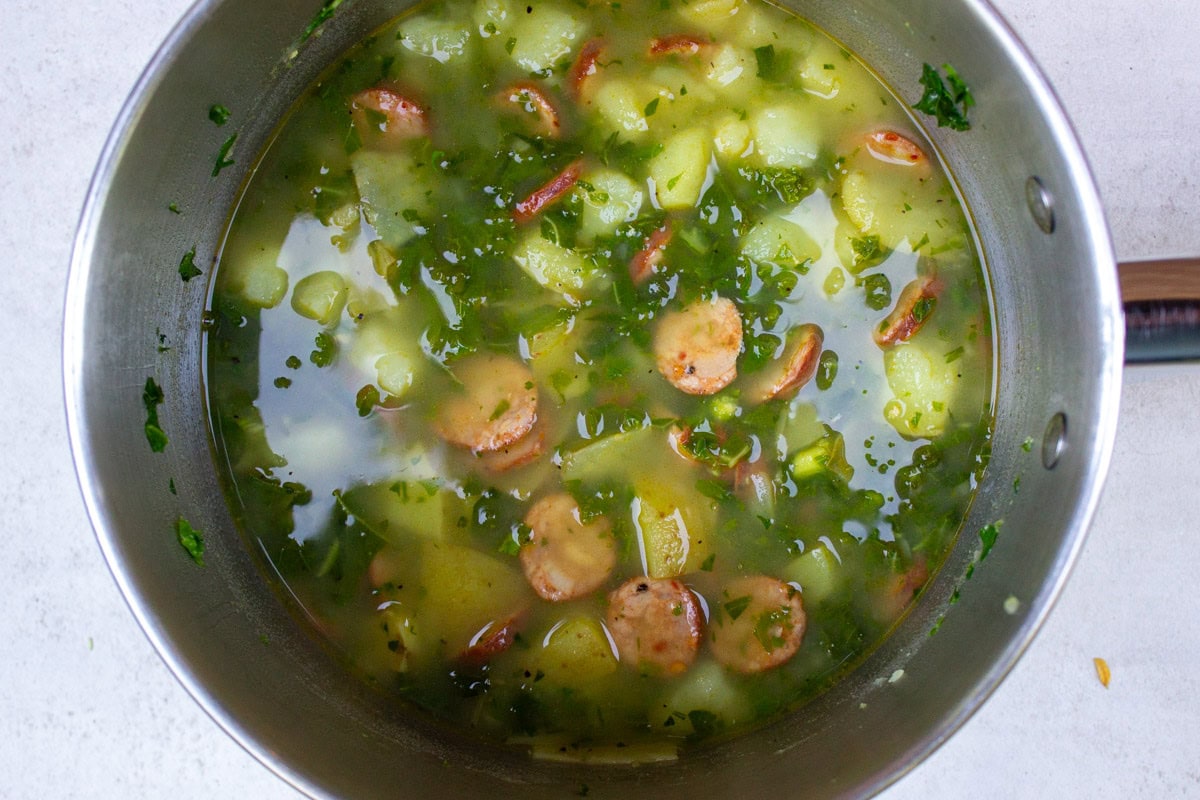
{"points": [[737, 606], [651, 107], [152, 397], [326, 350], [950, 103], [187, 266], [325, 12], [191, 540], [219, 114], [223, 159], [174, 208]]}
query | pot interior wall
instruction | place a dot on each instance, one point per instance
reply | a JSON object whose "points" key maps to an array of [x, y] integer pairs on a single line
{"points": [[238, 649]]}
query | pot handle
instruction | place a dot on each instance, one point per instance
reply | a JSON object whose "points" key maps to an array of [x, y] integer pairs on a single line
{"points": [[1162, 309]]}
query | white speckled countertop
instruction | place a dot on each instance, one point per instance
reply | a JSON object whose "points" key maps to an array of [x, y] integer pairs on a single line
{"points": [[88, 710]]}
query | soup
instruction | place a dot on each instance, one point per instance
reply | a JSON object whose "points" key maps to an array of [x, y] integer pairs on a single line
{"points": [[600, 379]]}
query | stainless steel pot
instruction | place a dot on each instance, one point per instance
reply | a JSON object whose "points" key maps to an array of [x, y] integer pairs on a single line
{"points": [[1060, 344]]}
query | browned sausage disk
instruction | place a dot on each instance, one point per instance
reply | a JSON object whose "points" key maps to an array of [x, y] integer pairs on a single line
{"points": [[696, 348], [759, 626], [565, 557], [787, 374], [656, 624], [496, 406]]}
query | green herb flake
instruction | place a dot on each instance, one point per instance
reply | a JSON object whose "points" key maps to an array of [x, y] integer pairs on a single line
{"points": [[499, 410], [326, 350], [923, 308], [187, 266], [293, 362], [765, 56], [673, 181], [509, 45], [282, 382], [704, 723], [827, 368], [1017, 485], [1027, 445], [219, 114], [766, 625], [191, 540], [707, 566], [174, 208], [736, 607], [948, 104], [324, 13], [223, 159], [954, 355], [828, 66], [987, 536], [651, 107], [152, 398], [366, 400]]}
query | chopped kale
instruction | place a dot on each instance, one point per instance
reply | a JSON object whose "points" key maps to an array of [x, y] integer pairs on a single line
{"points": [[187, 266], [219, 114], [191, 540], [223, 159], [948, 104], [152, 397], [324, 13]]}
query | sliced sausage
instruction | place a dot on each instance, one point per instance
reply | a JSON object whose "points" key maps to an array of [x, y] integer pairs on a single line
{"points": [[543, 196], [898, 592], [914, 307], [645, 262], [520, 453], [684, 44], [491, 641], [496, 407], [585, 67], [760, 624], [388, 114], [527, 96], [892, 148], [386, 567], [565, 557], [656, 624], [696, 348], [786, 375]]}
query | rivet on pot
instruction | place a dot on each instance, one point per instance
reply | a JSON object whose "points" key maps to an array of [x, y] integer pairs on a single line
{"points": [[1054, 443], [1041, 204]]}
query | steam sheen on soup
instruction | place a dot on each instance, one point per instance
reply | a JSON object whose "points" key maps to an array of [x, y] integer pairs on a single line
{"points": [[600, 377]]}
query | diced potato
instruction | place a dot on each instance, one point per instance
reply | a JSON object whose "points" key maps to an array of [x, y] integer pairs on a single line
{"points": [[493, 17], [257, 280], [320, 296], [434, 38], [711, 13], [621, 109], [817, 77], [395, 373], [612, 200], [732, 139], [544, 37], [826, 456], [781, 242], [818, 572], [385, 350], [786, 136], [707, 695], [925, 388], [732, 68], [679, 171], [467, 591], [835, 281], [895, 205], [392, 189], [396, 508], [609, 457], [674, 529], [553, 266], [576, 654]]}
